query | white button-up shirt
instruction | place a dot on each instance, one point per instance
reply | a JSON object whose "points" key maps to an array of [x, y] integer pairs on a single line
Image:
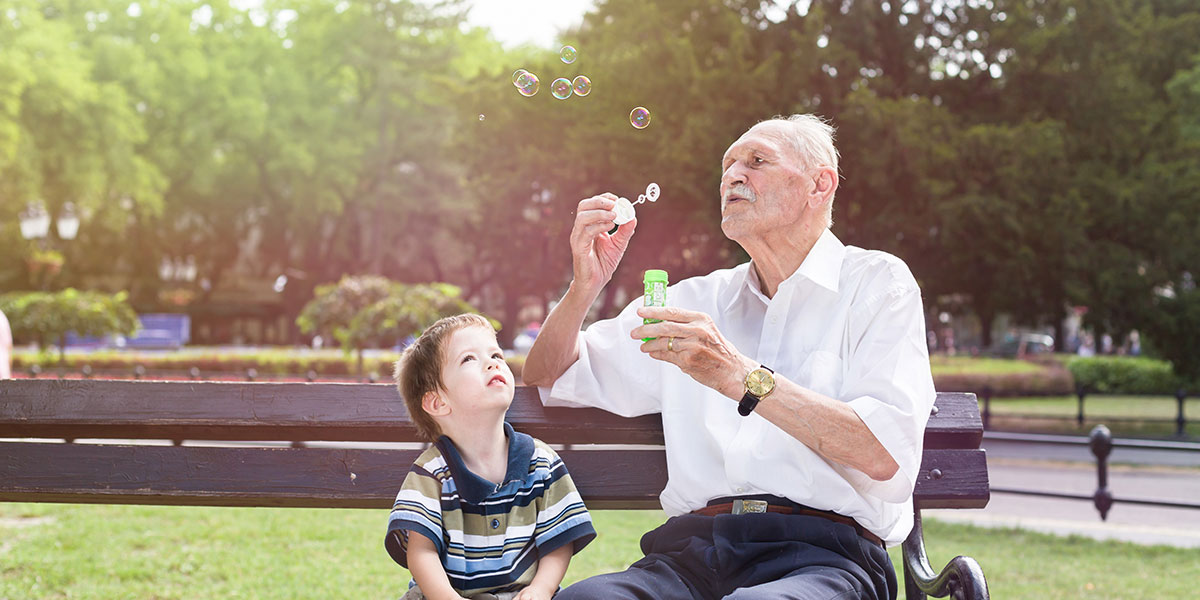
{"points": [[847, 324]]}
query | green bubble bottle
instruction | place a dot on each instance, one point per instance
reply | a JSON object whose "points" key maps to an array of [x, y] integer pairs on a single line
{"points": [[654, 283]]}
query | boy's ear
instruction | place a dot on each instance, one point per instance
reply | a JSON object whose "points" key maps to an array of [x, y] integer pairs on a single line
{"points": [[433, 404]]}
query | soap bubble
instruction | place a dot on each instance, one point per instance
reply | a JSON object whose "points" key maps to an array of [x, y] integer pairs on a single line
{"points": [[517, 75], [568, 54], [561, 88], [639, 118], [480, 116], [582, 85], [528, 84]]}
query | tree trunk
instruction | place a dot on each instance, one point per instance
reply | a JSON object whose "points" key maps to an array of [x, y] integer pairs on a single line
{"points": [[986, 318]]}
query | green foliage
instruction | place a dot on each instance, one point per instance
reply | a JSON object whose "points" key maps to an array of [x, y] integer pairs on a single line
{"points": [[46, 317], [1022, 157], [1174, 329], [1124, 375], [360, 311]]}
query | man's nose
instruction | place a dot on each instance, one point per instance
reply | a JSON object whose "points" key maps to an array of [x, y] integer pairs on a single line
{"points": [[733, 175]]}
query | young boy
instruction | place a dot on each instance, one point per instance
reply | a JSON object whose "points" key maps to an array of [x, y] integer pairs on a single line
{"points": [[486, 512]]}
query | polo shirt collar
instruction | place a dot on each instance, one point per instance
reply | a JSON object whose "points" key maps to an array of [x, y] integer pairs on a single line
{"points": [[475, 489], [822, 266]]}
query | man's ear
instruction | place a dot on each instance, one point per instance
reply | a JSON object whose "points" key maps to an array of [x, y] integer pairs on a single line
{"points": [[825, 183], [434, 404]]}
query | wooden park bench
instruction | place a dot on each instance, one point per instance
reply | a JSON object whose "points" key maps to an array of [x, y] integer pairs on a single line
{"points": [[617, 463]]}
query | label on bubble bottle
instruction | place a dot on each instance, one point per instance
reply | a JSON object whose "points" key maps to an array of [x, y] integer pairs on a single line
{"points": [[654, 282]]}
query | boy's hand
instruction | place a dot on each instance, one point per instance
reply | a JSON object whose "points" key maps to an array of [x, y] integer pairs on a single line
{"points": [[534, 593]]}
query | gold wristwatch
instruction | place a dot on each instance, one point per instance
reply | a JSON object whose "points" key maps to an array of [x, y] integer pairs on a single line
{"points": [[759, 384]]}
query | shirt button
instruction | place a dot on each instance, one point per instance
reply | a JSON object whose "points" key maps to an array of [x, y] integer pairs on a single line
{"points": [[495, 523]]}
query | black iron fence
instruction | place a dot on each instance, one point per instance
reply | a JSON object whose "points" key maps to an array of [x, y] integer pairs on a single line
{"points": [[1082, 393], [1101, 442]]}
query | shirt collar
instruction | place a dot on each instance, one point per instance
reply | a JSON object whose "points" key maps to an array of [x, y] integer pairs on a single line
{"points": [[822, 266], [475, 489]]}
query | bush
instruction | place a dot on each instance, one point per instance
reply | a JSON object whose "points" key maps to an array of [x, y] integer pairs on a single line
{"points": [[1125, 375], [1045, 382], [329, 363]]}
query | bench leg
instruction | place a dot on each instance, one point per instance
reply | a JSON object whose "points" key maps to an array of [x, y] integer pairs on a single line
{"points": [[961, 579]]}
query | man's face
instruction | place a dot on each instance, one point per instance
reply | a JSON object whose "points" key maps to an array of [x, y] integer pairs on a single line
{"points": [[763, 185]]}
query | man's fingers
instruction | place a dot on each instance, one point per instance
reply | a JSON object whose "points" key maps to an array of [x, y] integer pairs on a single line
{"points": [[588, 217], [603, 201], [589, 234], [669, 313]]}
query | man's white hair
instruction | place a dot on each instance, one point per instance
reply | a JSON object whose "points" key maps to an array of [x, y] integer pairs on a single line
{"points": [[811, 138]]}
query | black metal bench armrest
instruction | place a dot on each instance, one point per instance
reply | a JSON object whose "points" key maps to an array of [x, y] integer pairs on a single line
{"points": [[961, 579]]}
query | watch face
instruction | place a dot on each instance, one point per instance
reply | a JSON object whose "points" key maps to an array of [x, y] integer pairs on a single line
{"points": [[760, 382]]}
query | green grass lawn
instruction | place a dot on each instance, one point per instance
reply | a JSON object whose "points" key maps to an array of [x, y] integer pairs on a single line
{"points": [[160, 553], [1009, 413], [961, 365]]}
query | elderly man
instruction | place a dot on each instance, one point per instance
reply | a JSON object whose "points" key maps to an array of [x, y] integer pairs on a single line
{"points": [[794, 389]]}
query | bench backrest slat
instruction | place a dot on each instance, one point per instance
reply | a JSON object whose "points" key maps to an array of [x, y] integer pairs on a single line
{"points": [[329, 411]]}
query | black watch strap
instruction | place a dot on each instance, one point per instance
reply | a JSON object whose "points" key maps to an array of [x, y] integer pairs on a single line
{"points": [[750, 401]]}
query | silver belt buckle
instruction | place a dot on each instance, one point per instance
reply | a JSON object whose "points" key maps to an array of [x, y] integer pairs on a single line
{"points": [[745, 507]]}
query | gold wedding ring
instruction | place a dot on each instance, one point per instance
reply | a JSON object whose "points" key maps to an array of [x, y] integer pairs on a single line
{"points": [[670, 344]]}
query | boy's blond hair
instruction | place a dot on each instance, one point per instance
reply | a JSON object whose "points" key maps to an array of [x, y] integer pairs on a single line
{"points": [[419, 370]]}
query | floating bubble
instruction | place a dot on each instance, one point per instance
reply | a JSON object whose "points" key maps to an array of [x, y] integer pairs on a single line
{"points": [[561, 88], [568, 54], [639, 118], [517, 75], [528, 84], [582, 85], [481, 116]]}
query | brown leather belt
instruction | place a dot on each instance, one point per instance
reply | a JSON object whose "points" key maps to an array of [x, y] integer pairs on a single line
{"points": [[747, 506]]}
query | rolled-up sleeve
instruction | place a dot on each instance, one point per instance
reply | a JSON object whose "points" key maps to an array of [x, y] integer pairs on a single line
{"points": [[890, 386], [612, 373]]}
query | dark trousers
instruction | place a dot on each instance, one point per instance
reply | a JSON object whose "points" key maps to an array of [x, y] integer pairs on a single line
{"points": [[742, 557]]}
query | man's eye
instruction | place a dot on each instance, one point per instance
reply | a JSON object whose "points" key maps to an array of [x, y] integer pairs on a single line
{"points": [[758, 160]]}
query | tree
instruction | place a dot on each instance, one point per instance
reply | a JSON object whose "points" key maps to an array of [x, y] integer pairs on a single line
{"points": [[48, 316], [367, 310]]}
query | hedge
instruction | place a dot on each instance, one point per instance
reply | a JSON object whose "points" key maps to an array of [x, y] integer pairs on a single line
{"points": [[1126, 375], [265, 363]]}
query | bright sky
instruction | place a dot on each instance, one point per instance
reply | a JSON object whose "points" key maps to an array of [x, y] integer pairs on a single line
{"points": [[516, 22]]}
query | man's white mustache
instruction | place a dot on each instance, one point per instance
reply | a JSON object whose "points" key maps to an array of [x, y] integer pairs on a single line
{"points": [[739, 190]]}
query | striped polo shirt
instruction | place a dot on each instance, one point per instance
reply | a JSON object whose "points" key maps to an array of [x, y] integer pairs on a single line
{"points": [[489, 536]]}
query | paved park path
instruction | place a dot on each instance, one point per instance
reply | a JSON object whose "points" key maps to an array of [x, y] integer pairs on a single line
{"points": [[1072, 470]]}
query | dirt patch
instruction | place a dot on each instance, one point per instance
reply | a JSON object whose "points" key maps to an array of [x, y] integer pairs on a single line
{"points": [[23, 522]]}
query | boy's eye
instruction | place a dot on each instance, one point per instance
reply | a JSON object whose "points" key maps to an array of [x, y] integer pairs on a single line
{"points": [[497, 355], [468, 357]]}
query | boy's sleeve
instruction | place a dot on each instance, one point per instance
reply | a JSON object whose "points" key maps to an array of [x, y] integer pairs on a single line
{"points": [[418, 509], [562, 518]]}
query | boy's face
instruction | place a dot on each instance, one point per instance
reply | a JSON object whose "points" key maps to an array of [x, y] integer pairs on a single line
{"points": [[475, 375]]}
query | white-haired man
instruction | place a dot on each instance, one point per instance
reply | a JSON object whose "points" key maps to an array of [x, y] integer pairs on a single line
{"points": [[794, 389]]}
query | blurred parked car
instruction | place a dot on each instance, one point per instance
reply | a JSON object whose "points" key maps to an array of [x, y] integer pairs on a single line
{"points": [[1025, 345]]}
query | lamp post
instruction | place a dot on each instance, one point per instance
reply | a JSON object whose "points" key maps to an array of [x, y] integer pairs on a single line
{"points": [[35, 227], [178, 273]]}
